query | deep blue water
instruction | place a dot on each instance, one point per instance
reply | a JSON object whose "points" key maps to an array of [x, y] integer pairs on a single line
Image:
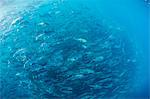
{"points": [[74, 49]]}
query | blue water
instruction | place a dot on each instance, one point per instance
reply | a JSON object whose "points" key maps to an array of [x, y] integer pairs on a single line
{"points": [[74, 49]]}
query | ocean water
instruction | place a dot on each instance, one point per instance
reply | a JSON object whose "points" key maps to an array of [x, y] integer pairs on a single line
{"points": [[74, 49]]}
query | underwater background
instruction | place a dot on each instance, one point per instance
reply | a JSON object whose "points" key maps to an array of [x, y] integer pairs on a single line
{"points": [[74, 49]]}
